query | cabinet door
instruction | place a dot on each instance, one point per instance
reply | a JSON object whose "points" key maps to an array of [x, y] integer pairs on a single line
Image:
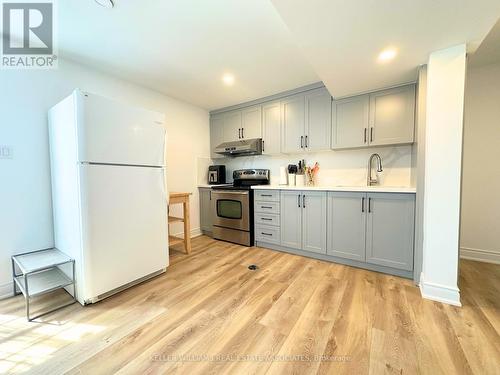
{"points": [[350, 119], [347, 225], [216, 134], [271, 128], [291, 219], [392, 116], [206, 209], [251, 123], [292, 124], [318, 123], [314, 208], [390, 230], [232, 126]]}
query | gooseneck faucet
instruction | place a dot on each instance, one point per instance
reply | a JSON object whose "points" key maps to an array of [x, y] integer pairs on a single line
{"points": [[373, 181]]}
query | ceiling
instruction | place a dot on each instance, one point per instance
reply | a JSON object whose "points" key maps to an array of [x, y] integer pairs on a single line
{"points": [[489, 50], [342, 39], [182, 48]]}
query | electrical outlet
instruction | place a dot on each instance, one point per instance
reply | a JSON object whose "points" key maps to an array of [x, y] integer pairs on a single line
{"points": [[6, 152]]}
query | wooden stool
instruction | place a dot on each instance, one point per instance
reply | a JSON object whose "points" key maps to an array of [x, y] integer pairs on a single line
{"points": [[177, 198]]}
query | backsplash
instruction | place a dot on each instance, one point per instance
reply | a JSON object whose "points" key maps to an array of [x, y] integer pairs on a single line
{"points": [[346, 167]]}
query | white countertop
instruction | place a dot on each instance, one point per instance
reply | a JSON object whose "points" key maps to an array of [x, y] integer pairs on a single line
{"points": [[368, 189]]}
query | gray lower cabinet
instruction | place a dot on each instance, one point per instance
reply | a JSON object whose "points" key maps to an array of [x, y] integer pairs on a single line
{"points": [[303, 220], [390, 230], [314, 212], [347, 225], [291, 218], [206, 210], [376, 228]]}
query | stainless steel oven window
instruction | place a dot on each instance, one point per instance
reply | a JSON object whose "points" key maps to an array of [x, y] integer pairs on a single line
{"points": [[229, 209]]}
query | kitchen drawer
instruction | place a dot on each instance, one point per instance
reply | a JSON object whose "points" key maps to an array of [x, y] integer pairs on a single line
{"points": [[267, 207], [267, 195], [264, 233], [267, 219]]}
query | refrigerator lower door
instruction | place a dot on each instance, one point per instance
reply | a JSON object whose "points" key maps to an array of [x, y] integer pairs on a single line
{"points": [[111, 132], [124, 227]]}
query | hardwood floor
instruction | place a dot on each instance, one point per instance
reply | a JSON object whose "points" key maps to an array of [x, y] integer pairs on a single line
{"points": [[209, 310]]}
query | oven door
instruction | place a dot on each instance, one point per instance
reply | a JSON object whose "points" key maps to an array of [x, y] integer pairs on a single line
{"points": [[232, 209]]}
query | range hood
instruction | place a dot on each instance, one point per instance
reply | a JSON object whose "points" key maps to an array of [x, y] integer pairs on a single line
{"points": [[240, 148]]}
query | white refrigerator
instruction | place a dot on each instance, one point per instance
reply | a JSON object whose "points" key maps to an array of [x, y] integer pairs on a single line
{"points": [[108, 192]]}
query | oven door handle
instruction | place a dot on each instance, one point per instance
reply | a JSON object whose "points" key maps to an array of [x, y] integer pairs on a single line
{"points": [[230, 192]]}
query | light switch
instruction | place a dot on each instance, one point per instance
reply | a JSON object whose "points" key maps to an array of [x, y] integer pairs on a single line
{"points": [[6, 152]]}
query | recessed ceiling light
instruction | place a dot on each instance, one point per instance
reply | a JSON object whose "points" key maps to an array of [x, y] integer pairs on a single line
{"points": [[387, 54], [228, 79], [106, 3]]}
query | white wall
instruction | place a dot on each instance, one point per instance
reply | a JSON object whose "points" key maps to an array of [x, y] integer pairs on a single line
{"points": [[345, 167], [443, 164], [25, 198], [480, 234]]}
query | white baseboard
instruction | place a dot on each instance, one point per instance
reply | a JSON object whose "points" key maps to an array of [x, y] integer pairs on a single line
{"points": [[439, 293], [480, 255], [6, 290], [194, 233]]}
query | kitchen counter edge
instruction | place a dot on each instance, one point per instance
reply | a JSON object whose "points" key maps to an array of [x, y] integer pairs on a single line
{"points": [[364, 189]]}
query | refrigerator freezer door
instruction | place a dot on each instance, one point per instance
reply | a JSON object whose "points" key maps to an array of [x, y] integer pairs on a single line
{"points": [[111, 132], [124, 226]]}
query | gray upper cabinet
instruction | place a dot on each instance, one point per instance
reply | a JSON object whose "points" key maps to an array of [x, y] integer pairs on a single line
{"points": [[390, 230], [216, 134], [251, 122], [381, 118], [291, 219], [392, 116], [271, 128], [350, 122], [206, 209], [292, 124], [314, 212], [232, 126], [318, 120], [347, 225]]}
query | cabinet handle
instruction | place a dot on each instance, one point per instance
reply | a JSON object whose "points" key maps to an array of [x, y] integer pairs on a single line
{"points": [[363, 204], [365, 136], [210, 194], [371, 134], [266, 234], [307, 142], [239, 133], [266, 219], [242, 133], [266, 207], [263, 146], [369, 205], [298, 200], [304, 201], [301, 141], [266, 195]]}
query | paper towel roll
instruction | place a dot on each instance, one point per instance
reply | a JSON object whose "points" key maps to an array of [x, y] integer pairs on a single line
{"points": [[283, 176]]}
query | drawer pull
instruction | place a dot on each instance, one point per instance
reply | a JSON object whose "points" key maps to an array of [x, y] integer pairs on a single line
{"points": [[266, 218], [266, 234], [266, 195], [270, 208]]}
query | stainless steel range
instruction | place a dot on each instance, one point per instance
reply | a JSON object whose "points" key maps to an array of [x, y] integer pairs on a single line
{"points": [[233, 206]]}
